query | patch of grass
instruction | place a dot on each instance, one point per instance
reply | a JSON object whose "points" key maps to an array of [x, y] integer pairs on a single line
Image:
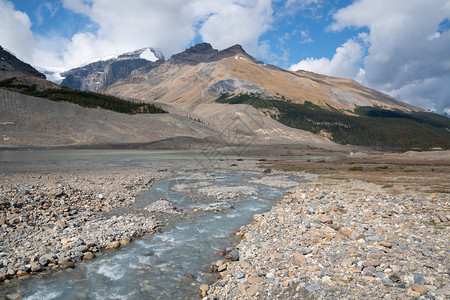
{"points": [[409, 171], [358, 168], [383, 168], [239, 159], [268, 170], [262, 159], [233, 165], [387, 186], [348, 280]]}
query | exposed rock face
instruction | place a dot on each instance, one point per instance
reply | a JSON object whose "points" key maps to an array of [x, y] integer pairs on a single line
{"points": [[101, 74], [194, 55], [8, 62], [239, 86], [206, 53]]}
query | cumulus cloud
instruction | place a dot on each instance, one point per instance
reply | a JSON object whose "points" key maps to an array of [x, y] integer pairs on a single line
{"points": [[122, 26], [15, 32], [345, 63], [239, 23], [407, 49]]}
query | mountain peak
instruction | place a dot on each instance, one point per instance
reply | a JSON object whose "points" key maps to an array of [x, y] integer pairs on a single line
{"points": [[204, 52], [194, 55], [234, 51]]}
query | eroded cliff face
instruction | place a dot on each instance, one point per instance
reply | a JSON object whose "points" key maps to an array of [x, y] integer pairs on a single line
{"points": [[99, 75]]}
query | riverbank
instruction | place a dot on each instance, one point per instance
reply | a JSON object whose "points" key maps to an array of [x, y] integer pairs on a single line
{"points": [[338, 237], [55, 213], [52, 216]]}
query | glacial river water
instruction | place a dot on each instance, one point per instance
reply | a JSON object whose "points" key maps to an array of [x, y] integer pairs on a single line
{"points": [[170, 264]]}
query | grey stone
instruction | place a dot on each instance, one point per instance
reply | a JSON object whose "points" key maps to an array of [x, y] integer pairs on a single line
{"points": [[240, 274], [43, 261], [234, 255], [24, 192], [82, 248], [419, 279], [312, 288], [222, 268], [25, 268], [372, 239]]}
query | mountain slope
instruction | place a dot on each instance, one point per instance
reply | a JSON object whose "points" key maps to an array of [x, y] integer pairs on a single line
{"points": [[23, 73], [10, 63]]}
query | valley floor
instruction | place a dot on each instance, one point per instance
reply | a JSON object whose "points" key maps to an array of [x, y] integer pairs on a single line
{"points": [[364, 227]]}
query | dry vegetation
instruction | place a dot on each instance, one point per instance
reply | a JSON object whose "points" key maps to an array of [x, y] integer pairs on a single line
{"points": [[392, 173]]}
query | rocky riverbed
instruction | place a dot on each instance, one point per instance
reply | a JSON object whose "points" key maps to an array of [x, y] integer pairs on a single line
{"points": [[349, 242], [51, 219], [329, 239]]}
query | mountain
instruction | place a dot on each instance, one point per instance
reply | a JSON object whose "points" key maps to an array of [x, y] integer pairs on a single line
{"points": [[97, 75], [201, 74], [9, 64], [248, 100], [74, 118], [235, 99], [13, 70]]}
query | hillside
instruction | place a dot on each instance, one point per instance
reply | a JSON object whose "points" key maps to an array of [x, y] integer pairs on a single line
{"points": [[34, 122]]}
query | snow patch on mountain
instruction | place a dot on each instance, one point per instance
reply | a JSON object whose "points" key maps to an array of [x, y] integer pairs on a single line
{"points": [[53, 74], [148, 55]]}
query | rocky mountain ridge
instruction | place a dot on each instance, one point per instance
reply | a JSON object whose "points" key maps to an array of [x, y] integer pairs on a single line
{"points": [[100, 74]]}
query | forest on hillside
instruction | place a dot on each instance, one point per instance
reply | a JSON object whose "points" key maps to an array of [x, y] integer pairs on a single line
{"points": [[366, 126]]}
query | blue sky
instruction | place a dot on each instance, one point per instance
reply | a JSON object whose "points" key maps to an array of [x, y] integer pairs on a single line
{"points": [[398, 47]]}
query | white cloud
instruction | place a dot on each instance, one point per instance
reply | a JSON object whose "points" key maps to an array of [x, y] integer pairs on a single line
{"points": [[407, 55], [238, 23], [40, 11], [345, 63], [128, 25], [15, 33]]}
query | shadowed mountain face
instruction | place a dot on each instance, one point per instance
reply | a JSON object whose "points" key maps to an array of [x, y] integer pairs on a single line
{"points": [[9, 63], [101, 74]]}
